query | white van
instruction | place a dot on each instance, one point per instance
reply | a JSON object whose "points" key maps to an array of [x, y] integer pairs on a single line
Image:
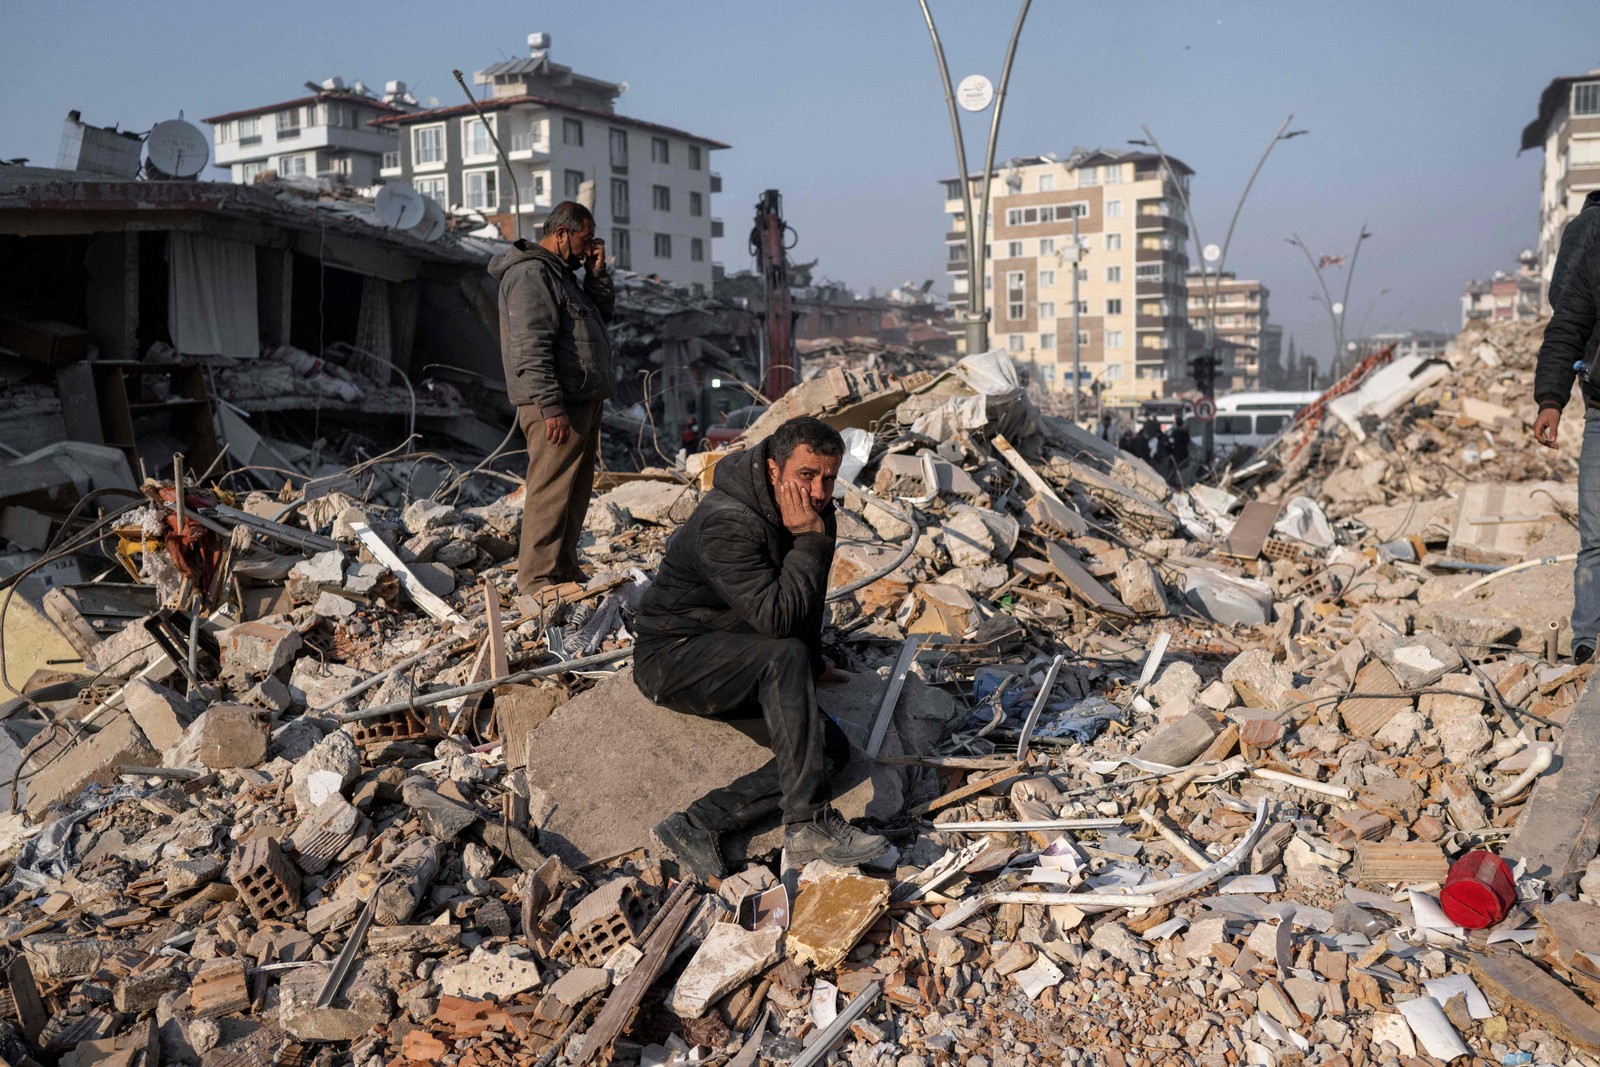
{"points": [[1250, 420]]}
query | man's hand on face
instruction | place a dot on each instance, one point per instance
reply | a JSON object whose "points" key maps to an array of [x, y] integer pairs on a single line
{"points": [[1546, 427], [794, 505], [595, 258], [557, 428]]}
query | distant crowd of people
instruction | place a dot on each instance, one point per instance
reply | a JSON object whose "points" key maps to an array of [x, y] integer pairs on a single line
{"points": [[1165, 448]]}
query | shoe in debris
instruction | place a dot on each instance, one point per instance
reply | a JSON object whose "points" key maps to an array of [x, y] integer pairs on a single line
{"points": [[695, 849], [1582, 654], [828, 836]]}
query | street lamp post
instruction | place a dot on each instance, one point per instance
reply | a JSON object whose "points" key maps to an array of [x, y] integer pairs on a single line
{"points": [[977, 318], [1210, 280], [1336, 309]]}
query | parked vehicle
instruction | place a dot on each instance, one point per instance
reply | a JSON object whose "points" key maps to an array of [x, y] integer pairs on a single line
{"points": [[732, 425], [1250, 420]]}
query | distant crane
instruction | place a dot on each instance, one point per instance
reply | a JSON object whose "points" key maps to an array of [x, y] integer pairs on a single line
{"points": [[770, 241]]}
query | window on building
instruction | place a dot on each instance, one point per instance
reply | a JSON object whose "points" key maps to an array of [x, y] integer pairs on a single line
{"points": [[1113, 209], [1016, 310], [660, 151], [1015, 342], [1014, 249], [1114, 306], [478, 143], [434, 189], [1584, 153], [1083, 274], [1077, 210], [1113, 338], [1586, 98], [339, 116], [696, 157], [622, 247], [249, 172], [697, 250], [538, 185], [619, 199], [289, 123], [571, 183], [697, 205], [952, 189], [1113, 372], [1016, 279], [619, 149], [663, 246], [661, 198], [1083, 307], [1047, 341], [1047, 246], [1149, 272], [1047, 278], [1113, 242], [1047, 309], [958, 252], [292, 166], [1114, 274], [482, 189], [1088, 176], [1014, 216], [1047, 183], [988, 281], [427, 144], [1113, 174], [250, 129], [1083, 338], [572, 132]]}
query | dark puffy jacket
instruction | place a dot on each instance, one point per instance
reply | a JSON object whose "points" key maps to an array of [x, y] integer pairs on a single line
{"points": [[734, 567], [1572, 336], [553, 340]]}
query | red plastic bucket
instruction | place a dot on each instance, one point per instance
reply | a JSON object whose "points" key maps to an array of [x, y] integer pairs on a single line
{"points": [[1479, 891]]}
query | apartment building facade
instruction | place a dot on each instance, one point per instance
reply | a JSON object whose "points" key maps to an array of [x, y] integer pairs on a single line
{"points": [[1241, 309], [1567, 128], [328, 134], [1506, 296], [1130, 264], [653, 183]]}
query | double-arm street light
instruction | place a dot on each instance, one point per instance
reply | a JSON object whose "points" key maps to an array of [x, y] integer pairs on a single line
{"points": [[1336, 309], [977, 316], [1211, 278]]}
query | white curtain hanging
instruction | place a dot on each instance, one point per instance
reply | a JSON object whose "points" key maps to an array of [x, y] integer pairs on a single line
{"points": [[211, 296]]}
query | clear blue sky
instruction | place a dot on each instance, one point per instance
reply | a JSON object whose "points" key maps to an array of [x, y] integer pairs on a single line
{"points": [[1414, 108]]}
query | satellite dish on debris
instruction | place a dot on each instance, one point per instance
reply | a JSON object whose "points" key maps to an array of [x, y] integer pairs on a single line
{"points": [[400, 207], [433, 223], [176, 149]]}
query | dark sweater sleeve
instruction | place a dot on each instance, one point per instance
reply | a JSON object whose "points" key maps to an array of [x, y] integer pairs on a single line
{"points": [[1576, 240], [775, 600], [602, 290], [1565, 336]]}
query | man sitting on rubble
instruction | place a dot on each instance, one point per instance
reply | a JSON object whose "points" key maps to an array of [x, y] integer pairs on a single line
{"points": [[731, 628]]}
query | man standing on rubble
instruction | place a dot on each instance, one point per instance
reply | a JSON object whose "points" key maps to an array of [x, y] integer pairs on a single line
{"points": [[1570, 341], [731, 628], [558, 369]]}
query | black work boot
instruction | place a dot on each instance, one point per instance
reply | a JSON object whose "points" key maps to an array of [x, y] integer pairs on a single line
{"points": [[829, 837], [695, 849]]}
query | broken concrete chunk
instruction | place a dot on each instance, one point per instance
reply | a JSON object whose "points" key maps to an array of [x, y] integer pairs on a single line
{"points": [[1229, 601], [581, 983], [324, 833], [1259, 681], [657, 503], [161, 714], [1417, 661], [256, 649], [1178, 686], [324, 568], [332, 764], [1141, 588], [729, 956], [224, 736], [423, 515], [441, 816], [488, 974], [1177, 744], [91, 760]]}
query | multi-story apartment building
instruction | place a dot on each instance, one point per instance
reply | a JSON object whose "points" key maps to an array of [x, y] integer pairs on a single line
{"points": [[1508, 296], [1241, 317], [1132, 327], [325, 135], [653, 183], [1568, 129]]}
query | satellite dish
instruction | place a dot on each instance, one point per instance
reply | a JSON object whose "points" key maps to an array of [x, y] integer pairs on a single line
{"points": [[400, 207], [433, 223], [177, 149], [1212, 253]]}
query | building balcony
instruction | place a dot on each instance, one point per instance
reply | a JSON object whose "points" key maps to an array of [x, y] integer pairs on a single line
{"points": [[248, 142], [527, 145], [716, 182], [1155, 255], [1158, 322]]}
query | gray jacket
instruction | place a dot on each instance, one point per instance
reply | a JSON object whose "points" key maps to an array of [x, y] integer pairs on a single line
{"points": [[553, 339]]}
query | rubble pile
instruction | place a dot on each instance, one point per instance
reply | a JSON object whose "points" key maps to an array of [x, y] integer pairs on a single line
{"points": [[1171, 777]]}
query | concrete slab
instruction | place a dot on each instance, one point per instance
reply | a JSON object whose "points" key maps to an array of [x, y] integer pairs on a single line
{"points": [[613, 764]]}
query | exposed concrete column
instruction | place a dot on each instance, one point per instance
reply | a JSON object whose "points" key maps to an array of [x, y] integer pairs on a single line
{"points": [[112, 311]]}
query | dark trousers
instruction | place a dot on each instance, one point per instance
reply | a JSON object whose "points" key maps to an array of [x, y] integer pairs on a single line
{"points": [[764, 687], [556, 497]]}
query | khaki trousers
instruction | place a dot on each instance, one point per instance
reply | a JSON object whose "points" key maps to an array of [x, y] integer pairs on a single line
{"points": [[560, 478]]}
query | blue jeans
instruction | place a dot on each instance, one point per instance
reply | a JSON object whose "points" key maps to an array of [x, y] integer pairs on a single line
{"points": [[1586, 575]]}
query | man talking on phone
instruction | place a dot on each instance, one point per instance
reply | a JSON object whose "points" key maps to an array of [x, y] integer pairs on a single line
{"points": [[558, 368], [731, 628]]}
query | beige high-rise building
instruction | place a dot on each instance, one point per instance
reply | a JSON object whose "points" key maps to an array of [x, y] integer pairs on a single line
{"points": [[1132, 324], [1568, 129], [1241, 316]]}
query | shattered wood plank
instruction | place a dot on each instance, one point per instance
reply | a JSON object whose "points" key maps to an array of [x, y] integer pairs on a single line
{"points": [[1558, 831], [955, 796], [1509, 976], [891, 696], [619, 1006], [1083, 584], [1251, 529], [1025, 470], [419, 594], [25, 997], [1400, 861]]}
